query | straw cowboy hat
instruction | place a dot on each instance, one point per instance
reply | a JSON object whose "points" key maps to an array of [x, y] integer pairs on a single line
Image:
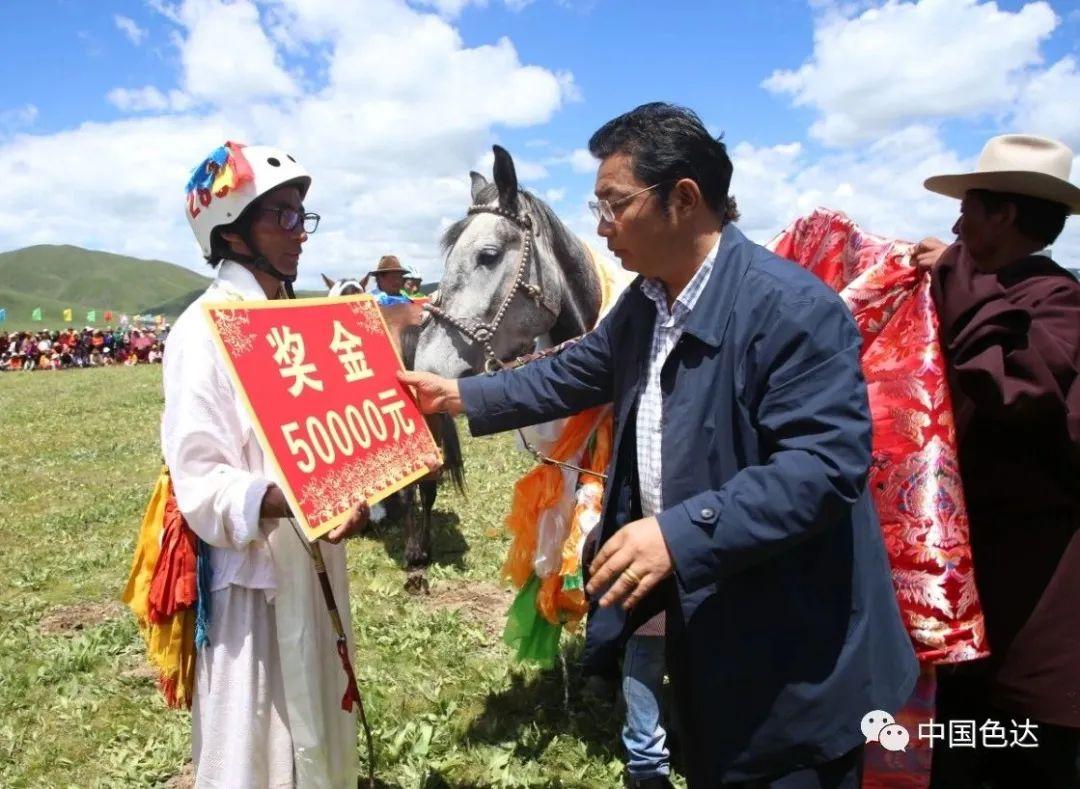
{"points": [[1017, 163], [388, 264]]}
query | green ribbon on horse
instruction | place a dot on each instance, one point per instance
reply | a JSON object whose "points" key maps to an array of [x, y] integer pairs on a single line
{"points": [[527, 631]]}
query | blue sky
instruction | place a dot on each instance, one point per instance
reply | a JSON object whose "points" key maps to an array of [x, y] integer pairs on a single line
{"points": [[848, 104]]}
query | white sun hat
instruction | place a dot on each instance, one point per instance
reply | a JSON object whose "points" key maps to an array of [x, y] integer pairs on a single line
{"points": [[1018, 163]]}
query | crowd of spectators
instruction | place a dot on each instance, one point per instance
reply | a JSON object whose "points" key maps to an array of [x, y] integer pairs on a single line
{"points": [[59, 350]]}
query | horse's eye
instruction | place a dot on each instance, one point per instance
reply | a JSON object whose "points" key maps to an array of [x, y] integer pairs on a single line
{"points": [[488, 256]]}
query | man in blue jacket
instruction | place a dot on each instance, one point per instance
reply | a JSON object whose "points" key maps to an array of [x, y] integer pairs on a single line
{"points": [[736, 499]]}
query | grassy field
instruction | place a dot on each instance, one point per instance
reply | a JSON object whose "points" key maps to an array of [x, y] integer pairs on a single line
{"points": [[77, 706]]}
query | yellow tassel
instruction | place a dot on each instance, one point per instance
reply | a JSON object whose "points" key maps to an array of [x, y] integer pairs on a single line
{"points": [[170, 645], [137, 591]]}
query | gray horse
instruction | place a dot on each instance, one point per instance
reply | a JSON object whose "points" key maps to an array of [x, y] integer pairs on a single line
{"points": [[515, 278], [403, 322]]}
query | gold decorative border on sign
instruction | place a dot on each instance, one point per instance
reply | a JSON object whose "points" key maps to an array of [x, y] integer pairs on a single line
{"points": [[324, 527]]}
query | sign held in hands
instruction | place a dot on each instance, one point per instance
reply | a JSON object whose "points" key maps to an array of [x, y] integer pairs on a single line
{"points": [[319, 380]]}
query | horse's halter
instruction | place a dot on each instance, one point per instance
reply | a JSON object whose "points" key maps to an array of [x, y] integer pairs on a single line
{"points": [[483, 334]]}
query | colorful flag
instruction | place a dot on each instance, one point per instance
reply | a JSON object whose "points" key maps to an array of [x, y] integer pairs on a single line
{"points": [[108, 316], [91, 316], [3, 315], [36, 314], [67, 315]]}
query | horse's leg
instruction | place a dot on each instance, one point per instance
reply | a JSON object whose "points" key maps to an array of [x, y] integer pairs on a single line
{"points": [[395, 506], [429, 489], [417, 545]]}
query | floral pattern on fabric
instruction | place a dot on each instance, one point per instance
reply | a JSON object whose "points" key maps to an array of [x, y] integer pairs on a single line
{"points": [[914, 475]]}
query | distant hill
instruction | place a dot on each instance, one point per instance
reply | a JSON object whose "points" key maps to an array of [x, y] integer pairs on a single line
{"points": [[57, 277]]}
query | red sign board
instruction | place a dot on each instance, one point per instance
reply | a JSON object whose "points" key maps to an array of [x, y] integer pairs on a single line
{"points": [[319, 380]]}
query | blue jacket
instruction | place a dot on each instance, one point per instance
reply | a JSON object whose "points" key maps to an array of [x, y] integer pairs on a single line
{"points": [[783, 627], [386, 300]]}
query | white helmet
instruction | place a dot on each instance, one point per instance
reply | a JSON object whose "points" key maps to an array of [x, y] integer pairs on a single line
{"points": [[231, 179]]}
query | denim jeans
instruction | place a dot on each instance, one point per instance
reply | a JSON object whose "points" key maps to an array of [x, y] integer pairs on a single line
{"points": [[642, 682]]}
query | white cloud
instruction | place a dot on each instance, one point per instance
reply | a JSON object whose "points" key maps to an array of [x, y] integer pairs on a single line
{"points": [[570, 88], [115, 186], [906, 62], [880, 186], [227, 55], [581, 161], [130, 28], [389, 109], [17, 119], [148, 99], [450, 8], [453, 8], [389, 120], [1050, 103]]}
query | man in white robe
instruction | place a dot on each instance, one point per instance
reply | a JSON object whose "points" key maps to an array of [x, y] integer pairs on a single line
{"points": [[268, 687]]}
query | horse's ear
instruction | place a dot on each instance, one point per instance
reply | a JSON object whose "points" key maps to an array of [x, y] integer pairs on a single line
{"points": [[505, 178], [478, 184], [329, 282]]}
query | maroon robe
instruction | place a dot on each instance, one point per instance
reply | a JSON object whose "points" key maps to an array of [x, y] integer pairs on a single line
{"points": [[1012, 343]]}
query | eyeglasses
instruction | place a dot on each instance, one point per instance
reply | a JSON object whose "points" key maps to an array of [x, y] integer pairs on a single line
{"points": [[604, 210], [289, 219]]}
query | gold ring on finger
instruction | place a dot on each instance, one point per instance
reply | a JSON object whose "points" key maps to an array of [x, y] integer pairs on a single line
{"points": [[631, 576]]}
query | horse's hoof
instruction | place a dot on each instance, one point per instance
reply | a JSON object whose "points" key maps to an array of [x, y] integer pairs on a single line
{"points": [[417, 583]]}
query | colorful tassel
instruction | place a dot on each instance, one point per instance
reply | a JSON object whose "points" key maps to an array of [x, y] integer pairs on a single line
{"points": [[162, 591], [202, 605]]}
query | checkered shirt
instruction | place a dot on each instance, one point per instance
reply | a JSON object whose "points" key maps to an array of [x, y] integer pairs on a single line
{"points": [[650, 413]]}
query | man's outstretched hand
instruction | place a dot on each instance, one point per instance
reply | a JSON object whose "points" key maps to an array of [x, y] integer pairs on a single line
{"points": [[927, 252], [434, 395]]}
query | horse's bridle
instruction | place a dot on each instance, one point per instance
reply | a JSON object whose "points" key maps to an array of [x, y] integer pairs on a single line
{"points": [[483, 334]]}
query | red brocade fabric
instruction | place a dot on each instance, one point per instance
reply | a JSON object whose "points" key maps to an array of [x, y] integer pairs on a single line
{"points": [[914, 476]]}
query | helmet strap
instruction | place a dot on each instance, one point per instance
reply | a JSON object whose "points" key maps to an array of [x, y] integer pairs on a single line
{"points": [[260, 263]]}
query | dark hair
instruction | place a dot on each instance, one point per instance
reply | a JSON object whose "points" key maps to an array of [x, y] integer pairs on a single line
{"points": [[667, 143], [1039, 220], [220, 249]]}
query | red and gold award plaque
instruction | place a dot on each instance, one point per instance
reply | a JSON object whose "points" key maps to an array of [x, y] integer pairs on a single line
{"points": [[319, 379]]}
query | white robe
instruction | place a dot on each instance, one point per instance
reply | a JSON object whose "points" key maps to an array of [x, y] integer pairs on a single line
{"points": [[267, 708]]}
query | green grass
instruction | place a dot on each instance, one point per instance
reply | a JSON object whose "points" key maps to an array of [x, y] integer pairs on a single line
{"points": [[448, 705]]}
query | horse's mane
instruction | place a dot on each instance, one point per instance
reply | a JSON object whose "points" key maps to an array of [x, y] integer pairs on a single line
{"points": [[566, 245]]}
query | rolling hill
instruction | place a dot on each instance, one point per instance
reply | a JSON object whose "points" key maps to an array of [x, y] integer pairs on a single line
{"points": [[57, 277]]}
